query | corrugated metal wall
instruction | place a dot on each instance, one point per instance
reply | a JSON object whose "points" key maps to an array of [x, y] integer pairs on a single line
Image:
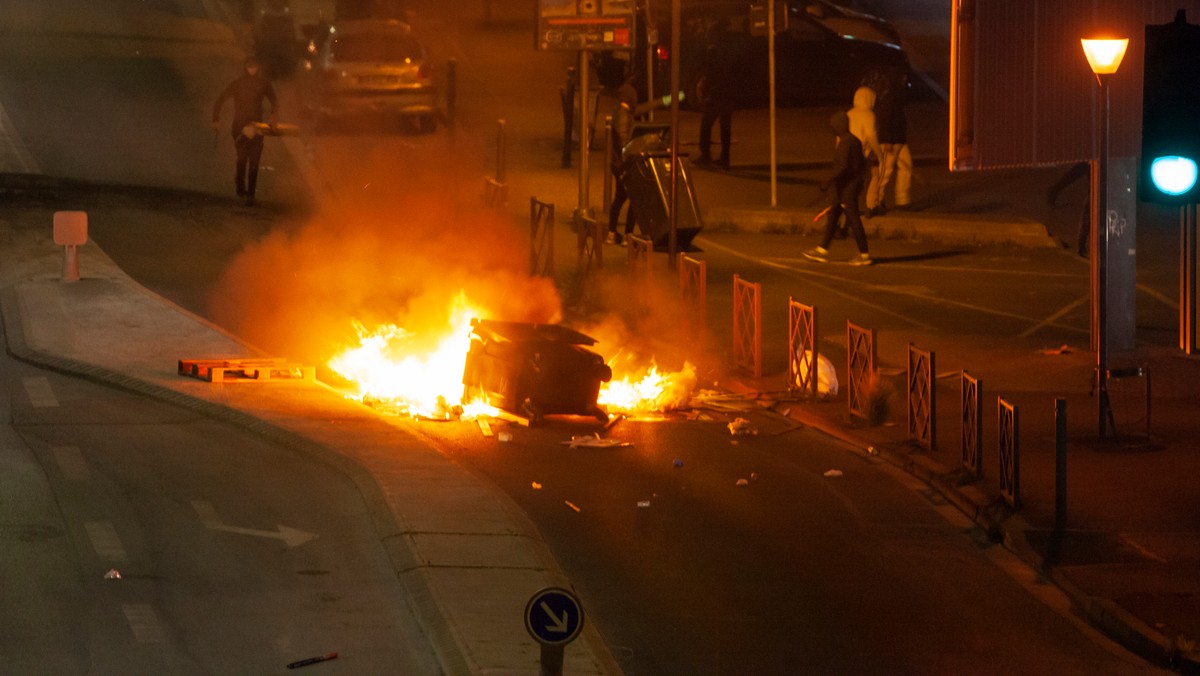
{"points": [[1028, 95]]}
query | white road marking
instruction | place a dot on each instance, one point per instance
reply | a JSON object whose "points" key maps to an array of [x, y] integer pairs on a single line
{"points": [[105, 541], [71, 463], [41, 395], [212, 521], [1050, 321], [143, 621], [14, 155]]}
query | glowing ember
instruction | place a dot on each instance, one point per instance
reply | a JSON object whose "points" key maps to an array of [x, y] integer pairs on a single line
{"points": [[652, 390], [390, 366]]}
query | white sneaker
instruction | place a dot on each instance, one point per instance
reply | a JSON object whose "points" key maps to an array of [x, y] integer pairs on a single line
{"points": [[819, 254], [862, 259]]}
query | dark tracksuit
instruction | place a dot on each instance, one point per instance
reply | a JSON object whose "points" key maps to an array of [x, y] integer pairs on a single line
{"points": [[248, 93], [847, 183]]}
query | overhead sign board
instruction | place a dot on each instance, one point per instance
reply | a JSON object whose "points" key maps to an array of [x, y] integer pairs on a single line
{"points": [[553, 616], [595, 25]]}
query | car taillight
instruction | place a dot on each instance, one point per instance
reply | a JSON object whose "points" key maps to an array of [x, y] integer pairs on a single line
{"points": [[662, 53]]}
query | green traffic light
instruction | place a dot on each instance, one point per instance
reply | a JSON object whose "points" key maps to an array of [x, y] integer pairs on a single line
{"points": [[1173, 175]]}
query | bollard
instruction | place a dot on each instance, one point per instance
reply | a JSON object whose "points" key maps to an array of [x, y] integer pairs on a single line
{"points": [[1060, 464], [568, 105], [70, 232], [607, 197], [500, 150], [451, 92]]}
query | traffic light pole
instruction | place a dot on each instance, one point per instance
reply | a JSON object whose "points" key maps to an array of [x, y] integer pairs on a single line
{"points": [[1187, 279]]}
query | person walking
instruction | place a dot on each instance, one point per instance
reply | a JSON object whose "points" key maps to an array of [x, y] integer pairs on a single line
{"points": [[847, 185], [896, 161], [863, 127], [718, 99], [248, 93]]}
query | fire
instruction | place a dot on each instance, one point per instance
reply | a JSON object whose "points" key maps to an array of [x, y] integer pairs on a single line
{"points": [[422, 376], [391, 367], [654, 390]]}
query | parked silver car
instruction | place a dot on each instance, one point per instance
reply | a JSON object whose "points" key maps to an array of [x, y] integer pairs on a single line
{"points": [[369, 66]]}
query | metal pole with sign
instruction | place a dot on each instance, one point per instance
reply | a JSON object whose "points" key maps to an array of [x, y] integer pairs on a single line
{"points": [[554, 618]]}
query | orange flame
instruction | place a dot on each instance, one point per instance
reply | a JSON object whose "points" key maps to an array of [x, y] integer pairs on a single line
{"points": [[422, 376]]}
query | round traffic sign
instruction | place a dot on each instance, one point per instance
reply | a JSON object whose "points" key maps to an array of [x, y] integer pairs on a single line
{"points": [[553, 616]]}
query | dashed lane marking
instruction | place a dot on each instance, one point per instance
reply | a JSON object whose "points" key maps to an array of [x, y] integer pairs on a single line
{"points": [[71, 463], [143, 621], [41, 395], [105, 541]]}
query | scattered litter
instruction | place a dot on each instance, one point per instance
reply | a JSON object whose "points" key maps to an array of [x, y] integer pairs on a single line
{"points": [[643, 503], [537, 486], [743, 482], [613, 422], [721, 402], [834, 472], [504, 436], [572, 505], [312, 660], [595, 441], [871, 450], [1061, 349], [742, 427], [112, 574], [485, 427], [677, 463], [754, 476]]}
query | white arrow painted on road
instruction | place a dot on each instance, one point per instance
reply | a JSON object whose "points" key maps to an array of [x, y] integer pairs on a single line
{"points": [[558, 624], [290, 536]]}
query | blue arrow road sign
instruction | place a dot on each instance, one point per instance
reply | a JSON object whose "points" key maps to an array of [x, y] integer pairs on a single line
{"points": [[553, 616]]}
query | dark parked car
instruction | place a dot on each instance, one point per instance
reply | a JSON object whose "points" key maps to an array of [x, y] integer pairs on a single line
{"points": [[824, 54], [370, 66]]}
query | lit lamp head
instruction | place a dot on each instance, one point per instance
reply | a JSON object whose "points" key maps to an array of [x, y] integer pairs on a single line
{"points": [[1104, 54]]}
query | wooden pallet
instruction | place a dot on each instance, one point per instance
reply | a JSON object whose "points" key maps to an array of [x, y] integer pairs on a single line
{"points": [[245, 370]]}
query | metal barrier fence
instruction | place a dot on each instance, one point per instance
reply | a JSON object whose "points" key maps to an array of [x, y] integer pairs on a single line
{"points": [[747, 326], [693, 289], [1008, 423], [640, 249], [922, 398], [971, 438], [860, 369], [803, 364], [541, 238], [590, 239]]}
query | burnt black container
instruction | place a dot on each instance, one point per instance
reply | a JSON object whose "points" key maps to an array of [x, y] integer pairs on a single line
{"points": [[534, 370]]}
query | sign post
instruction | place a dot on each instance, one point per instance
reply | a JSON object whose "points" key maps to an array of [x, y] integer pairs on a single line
{"points": [[554, 618]]}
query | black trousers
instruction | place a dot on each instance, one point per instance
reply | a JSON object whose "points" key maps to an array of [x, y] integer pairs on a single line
{"points": [[716, 113], [853, 221], [249, 151], [614, 212]]}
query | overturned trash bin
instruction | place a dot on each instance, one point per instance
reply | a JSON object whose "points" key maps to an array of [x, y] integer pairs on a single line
{"points": [[646, 175], [534, 370]]}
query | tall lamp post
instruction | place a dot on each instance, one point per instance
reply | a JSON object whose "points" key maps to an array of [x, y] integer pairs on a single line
{"points": [[1104, 56]]}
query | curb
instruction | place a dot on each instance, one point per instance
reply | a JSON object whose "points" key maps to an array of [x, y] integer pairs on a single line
{"points": [[946, 228]]}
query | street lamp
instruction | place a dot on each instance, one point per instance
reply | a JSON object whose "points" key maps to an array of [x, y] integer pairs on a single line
{"points": [[1104, 56]]}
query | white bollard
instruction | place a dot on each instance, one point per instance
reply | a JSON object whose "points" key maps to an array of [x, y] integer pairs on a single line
{"points": [[70, 231]]}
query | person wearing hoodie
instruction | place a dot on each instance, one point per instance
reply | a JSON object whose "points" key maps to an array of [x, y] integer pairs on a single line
{"points": [[896, 165], [847, 185], [863, 126]]}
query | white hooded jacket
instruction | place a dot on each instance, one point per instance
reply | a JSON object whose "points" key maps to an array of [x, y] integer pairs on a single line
{"points": [[862, 121]]}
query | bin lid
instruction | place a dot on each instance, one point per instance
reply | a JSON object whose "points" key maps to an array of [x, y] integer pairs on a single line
{"points": [[493, 329]]}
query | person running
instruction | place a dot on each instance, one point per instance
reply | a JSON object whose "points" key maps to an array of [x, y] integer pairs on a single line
{"points": [[847, 185]]}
